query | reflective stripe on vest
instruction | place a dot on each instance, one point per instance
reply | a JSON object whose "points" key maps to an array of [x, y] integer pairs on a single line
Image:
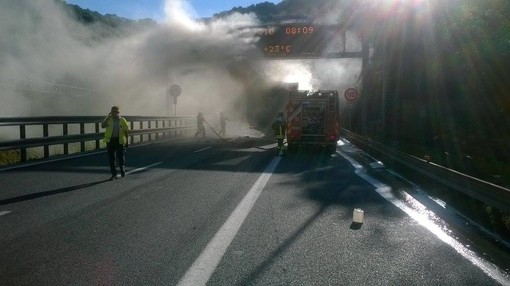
{"points": [[280, 134], [123, 128]]}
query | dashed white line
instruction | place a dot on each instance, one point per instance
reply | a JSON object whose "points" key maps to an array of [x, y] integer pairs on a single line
{"points": [[202, 269], [4, 212], [200, 150], [144, 168]]}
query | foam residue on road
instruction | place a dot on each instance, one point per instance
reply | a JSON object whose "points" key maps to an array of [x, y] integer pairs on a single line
{"points": [[418, 212]]}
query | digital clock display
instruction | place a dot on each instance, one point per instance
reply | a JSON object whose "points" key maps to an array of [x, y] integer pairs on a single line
{"points": [[299, 40], [294, 30]]}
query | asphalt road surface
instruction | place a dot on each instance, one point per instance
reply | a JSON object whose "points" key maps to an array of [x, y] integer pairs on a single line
{"points": [[224, 212]]}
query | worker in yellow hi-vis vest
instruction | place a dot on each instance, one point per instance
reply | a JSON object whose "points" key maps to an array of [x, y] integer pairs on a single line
{"points": [[279, 126], [116, 139]]}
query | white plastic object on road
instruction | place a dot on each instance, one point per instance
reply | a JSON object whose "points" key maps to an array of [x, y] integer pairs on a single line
{"points": [[358, 215]]}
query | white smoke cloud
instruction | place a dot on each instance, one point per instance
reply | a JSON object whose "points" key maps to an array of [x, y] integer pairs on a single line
{"points": [[41, 44], [179, 12], [216, 64]]}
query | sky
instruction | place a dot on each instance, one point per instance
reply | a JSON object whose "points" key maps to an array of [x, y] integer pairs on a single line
{"points": [[154, 9]]}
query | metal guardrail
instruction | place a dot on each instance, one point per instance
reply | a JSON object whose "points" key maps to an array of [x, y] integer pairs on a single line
{"points": [[484, 191], [142, 128]]}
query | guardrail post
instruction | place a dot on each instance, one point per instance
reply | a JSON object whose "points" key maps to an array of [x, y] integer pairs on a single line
{"points": [[23, 135], [446, 160], [46, 146], [141, 128], [132, 128], [98, 146], [468, 166], [82, 131], [157, 133], [65, 132], [150, 134]]}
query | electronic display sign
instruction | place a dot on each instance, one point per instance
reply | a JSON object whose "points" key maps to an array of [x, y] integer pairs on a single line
{"points": [[303, 40]]}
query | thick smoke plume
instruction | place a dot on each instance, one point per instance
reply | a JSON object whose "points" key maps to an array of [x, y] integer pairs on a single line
{"points": [[52, 65]]}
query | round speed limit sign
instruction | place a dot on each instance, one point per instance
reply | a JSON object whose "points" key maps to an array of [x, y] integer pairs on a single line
{"points": [[351, 94], [175, 90]]}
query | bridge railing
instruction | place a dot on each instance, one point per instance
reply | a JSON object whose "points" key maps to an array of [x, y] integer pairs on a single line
{"points": [[63, 135], [481, 190]]}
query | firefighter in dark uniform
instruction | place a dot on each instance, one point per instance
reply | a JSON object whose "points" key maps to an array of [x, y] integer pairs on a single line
{"points": [[223, 123], [279, 126], [200, 125]]}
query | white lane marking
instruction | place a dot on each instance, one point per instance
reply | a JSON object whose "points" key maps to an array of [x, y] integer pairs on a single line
{"points": [[202, 269], [385, 191], [4, 212], [144, 168], [200, 150]]}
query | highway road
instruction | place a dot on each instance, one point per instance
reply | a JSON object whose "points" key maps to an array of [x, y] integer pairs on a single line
{"points": [[225, 212]]}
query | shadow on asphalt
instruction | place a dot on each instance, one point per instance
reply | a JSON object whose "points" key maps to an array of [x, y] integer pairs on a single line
{"points": [[49, 193], [281, 249], [356, 225]]}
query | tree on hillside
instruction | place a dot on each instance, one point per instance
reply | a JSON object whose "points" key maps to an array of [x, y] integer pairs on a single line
{"points": [[445, 75], [104, 26]]}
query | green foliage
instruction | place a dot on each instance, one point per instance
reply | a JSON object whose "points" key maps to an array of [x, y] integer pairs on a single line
{"points": [[312, 9], [105, 26], [261, 9], [9, 157], [445, 63]]}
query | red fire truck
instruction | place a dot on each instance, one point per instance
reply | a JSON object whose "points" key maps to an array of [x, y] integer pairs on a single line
{"points": [[313, 119]]}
